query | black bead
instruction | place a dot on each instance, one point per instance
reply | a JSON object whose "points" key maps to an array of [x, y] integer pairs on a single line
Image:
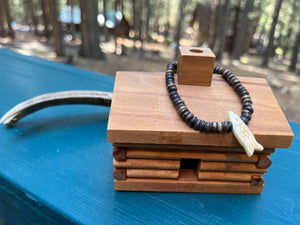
{"points": [[184, 110], [235, 81], [247, 100], [172, 92], [179, 103], [206, 127], [169, 76], [197, 124], [173, 96], [249, 108], [231, 78], [238, 86], [169, 80], [176, 101], [245, 120], [213, 127], [228, 76], [172, 88], [224, 125], [221, 70], [188, 117], [244, 92], [184, 114], [229, 126], [239, 89], [245, 104], [202, 125], [192, 121], [247, 115]]}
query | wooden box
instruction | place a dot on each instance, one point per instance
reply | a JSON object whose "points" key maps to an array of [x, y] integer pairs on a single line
{"points": [[155, 151]]}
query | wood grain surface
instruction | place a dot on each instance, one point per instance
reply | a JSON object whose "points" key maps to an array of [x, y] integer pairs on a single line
{"points": [[176, 148], [230, 167], [187, 182], [225, 176], [141, 112], [156, 174], [204, 156], [147, 164]]}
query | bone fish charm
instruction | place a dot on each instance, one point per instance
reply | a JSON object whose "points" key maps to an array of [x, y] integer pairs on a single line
{"points": [[243, 135]]}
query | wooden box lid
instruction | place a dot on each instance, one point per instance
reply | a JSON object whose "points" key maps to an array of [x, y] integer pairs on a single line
{"points": [[142, 112]]}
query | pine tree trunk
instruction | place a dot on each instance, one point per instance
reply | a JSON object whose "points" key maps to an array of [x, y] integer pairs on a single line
{"points": [[269, 48], [105, 19], [90, 30], [178, 31], [147, 6], [5, 6], [167, 25], [2, 31], [294, 58], [141, 24], [212, 25], [33, 18], [56, 28], [45, 18], [240, 42], [134, 23], [235, 25], [290, 29], [139, 19], [73, 26], [116, 30], [223, 29]]}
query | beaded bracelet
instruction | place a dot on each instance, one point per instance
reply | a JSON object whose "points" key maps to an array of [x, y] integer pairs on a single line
{"points": [[201, 125]]}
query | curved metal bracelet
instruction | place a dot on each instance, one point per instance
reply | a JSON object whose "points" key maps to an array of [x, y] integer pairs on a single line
{"points": [[53, 99], [201, 125]]}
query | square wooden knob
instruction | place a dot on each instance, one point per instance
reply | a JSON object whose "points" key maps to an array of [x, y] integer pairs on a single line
{"points": [[195, 65]]}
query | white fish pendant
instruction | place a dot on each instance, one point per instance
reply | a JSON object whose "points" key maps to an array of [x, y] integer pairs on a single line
{"points": [[243, 135]]}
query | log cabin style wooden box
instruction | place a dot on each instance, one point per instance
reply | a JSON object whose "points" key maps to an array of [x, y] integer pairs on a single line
{"points": [[154, 150]]}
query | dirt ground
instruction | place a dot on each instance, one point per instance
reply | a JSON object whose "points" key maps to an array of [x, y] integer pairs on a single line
{"points": [[285, 85]]}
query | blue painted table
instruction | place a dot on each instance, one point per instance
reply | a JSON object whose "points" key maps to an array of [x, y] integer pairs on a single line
{"points": [[56, 164]]}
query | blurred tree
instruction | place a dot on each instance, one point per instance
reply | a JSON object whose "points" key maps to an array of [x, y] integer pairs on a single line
{"points": [[148, 12], [213, 24], [223, 28], [239, 44], [269, 48], [30, 12], [167, 23], [141, 25], [201, 22], [6, 16], [45, 18], [236, 12], [180, 17], [90, 30], [73, 26], [290, 29], [134, 23], [294, 58], [105, 19], [2, 31], [56, 27], [116, 31]]}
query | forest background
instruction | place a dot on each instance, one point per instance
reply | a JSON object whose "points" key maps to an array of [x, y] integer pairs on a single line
{"points": [[259, 38]]}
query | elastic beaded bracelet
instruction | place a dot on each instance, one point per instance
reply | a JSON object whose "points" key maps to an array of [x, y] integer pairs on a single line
{"points": [[201, 125]]}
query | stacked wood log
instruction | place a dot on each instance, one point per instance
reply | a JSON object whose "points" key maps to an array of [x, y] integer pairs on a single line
{"points": [[155, 151], [136, 168]]}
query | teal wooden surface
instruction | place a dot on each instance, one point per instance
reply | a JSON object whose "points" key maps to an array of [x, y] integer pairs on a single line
{"points": [[59, 158]]}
